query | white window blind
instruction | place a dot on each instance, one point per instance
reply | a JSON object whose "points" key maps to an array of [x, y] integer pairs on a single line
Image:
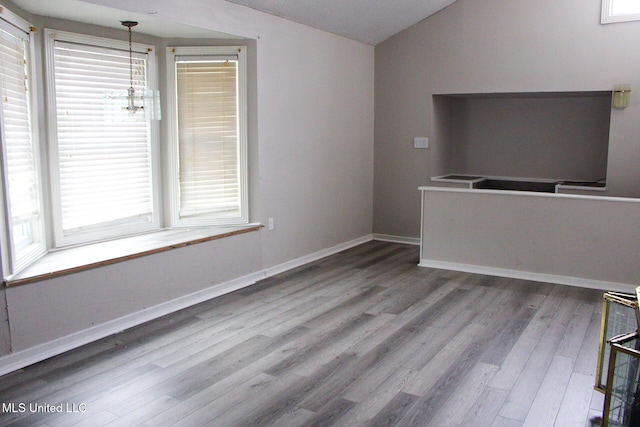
{"points": [[20, 155], [208, 136], [104, 171]]}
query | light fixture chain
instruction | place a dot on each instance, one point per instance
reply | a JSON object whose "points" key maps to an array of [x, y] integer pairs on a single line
{"points": [[130, 59]]}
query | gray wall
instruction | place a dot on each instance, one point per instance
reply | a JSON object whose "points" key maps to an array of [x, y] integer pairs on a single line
{"points": [[311, 156], [546, 137], [583, 241], [484, 46]]}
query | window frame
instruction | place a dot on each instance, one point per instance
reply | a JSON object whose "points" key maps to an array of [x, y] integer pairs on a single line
{"points": [[15, 260], [609, 18], [116, 231], [173, 145]]}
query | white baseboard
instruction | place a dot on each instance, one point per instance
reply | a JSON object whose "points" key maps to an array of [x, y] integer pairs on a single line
{"points": [[397, 239], [17, 360], [526, 275], [290, 265]]}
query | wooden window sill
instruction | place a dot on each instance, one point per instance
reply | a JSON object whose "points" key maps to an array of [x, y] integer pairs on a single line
{"points": [[66, 261]]}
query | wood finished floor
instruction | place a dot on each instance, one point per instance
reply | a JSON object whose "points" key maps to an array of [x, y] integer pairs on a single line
{"points": [[361, 338]]}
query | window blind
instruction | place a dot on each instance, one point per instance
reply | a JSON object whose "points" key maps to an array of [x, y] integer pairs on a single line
{"points": [[104, 167], [208, 144], [19, 151]]}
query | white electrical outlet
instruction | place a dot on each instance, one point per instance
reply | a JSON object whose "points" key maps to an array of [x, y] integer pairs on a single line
{"points": [[270, 223], [420, 142]]}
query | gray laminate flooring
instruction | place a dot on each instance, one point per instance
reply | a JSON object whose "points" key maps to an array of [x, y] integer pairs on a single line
{"points": [[360, 338]]}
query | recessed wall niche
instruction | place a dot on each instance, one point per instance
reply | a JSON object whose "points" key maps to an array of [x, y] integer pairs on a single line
{"points": [[556, 136]]}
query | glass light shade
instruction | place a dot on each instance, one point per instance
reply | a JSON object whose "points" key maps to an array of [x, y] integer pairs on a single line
{"points": [[132, 105]]}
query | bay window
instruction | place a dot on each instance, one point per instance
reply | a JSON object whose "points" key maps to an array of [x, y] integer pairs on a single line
{"points": [[103, 176]]}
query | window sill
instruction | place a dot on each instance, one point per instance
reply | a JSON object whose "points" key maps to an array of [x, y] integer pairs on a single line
{"points": [[66, 261]]}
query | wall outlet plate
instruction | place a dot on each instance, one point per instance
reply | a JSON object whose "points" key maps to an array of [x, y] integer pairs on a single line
{"points": [[420, 142]]}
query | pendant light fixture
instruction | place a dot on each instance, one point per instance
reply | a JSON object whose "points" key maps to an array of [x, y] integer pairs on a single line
{"points": [[132, 104]]}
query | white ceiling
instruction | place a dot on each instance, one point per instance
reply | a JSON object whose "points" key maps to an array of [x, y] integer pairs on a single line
{"points": [[368, 21], [90, 13]]}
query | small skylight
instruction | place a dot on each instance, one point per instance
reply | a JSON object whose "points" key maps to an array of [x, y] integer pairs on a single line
{"points": [[620, 11]]}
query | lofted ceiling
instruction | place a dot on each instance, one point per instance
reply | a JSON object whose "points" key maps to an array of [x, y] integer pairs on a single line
{"points": [[368, 21]]}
